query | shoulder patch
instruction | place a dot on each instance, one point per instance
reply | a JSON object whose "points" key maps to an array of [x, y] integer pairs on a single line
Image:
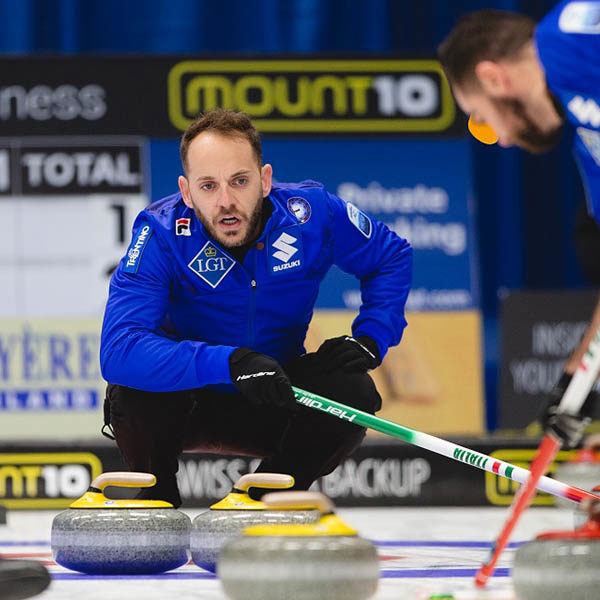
{"points": [[359, 220], [136, 249], [300, 208], [580, 17]]}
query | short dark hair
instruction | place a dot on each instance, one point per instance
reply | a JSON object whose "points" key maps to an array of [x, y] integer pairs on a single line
{"points": [[227, 122], [483, 35]]}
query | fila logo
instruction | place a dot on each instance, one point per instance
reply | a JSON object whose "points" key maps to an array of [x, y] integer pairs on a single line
{"points": [[182, 227], [586, 111], [285, 250]]}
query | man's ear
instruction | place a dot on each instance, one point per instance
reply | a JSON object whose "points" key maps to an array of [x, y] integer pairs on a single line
{"points": [[184, 188], [493, 78], [266, 177]]}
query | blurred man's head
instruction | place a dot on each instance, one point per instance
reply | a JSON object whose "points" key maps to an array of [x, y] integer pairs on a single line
{"points": [[492, 65], [225, 181]]}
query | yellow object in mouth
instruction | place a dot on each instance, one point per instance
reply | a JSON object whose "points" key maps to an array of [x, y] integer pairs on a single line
{"points": [[482, 132]]}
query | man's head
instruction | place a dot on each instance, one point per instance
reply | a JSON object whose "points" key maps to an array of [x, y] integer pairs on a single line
{"points": [[225, 181], [492, 65]]}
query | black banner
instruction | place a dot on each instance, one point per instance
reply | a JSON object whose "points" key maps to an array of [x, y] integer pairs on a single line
{"points": [[76, 165], [380, 473], [539, 331], [159, 96]]}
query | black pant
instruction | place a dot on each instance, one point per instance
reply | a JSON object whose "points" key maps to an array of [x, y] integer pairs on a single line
{"points": [[152, 429]]}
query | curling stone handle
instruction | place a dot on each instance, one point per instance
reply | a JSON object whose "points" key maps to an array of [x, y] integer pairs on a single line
{"points": [[276, 481], [124, 479], [299, 500]]}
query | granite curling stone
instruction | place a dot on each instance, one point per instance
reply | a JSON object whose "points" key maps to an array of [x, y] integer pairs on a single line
{"points": [[326, 560], [97, 535], [227, 519], [582, 471], [561, 564]]}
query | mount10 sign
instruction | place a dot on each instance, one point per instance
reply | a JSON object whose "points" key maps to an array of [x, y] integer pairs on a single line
{"points": [[99, 95]]}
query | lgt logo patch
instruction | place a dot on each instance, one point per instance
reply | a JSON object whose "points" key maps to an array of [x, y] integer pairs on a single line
{"points": [[211, 264], [286, 250]]}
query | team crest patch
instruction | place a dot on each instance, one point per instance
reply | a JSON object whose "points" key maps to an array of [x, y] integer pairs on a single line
{"points": [[182, 226], [285, 250], [136, 249], [211, 264], [580, 17], [359, 220], [300, 208], [591, 140]]}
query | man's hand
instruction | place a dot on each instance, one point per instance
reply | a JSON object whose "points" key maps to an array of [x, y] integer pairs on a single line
{"points": [[567, 427], [261, 379], [348, 353]]}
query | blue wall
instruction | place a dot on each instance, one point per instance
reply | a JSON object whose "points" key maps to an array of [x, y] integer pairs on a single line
{"points": [[525, 204]]}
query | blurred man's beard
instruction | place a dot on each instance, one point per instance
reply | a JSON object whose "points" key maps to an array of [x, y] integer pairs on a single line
{"points": [[530, 137], [254, 221]]}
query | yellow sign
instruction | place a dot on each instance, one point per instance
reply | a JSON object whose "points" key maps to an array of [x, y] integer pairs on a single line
{"points": [[501, 491], [45, 480], [432, 381], [316, 95]]}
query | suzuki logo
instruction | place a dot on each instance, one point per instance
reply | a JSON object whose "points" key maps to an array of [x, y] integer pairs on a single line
{"points": [[284, 250]]}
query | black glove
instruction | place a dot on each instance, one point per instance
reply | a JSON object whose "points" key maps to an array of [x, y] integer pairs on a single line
{"points": [[348, 353], [261, 379], [566, 426]]}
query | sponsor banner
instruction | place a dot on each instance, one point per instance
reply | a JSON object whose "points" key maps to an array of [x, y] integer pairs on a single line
{"points": [[379, 473], [50, 382], [539, 331], [45, 480], [431, 381], [97, 95], [71, 165]]}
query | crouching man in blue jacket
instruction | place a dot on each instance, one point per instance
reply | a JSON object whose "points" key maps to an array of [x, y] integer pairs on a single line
{"points": [[207, 314]]}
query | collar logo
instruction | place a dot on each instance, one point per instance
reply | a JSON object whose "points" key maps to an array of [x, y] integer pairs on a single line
{"points": [[211, 264], [182, 227]]}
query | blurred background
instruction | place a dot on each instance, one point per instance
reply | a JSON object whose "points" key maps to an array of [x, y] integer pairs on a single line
{"points": [[93, 97]]}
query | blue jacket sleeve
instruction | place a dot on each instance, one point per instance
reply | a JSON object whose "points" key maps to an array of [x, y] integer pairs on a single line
{"points": [[133, 352], [382, 262]]}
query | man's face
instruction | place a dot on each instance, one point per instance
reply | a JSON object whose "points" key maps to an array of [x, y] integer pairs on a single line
{"points": [[225, 187], [513, 119]]}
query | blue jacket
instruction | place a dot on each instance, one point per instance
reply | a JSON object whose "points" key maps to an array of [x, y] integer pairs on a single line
{"points": [[568, 45], [179, 304]]}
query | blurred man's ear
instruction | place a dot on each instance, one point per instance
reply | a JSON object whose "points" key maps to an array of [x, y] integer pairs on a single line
{"points": [[184, 188], [493, 78]]}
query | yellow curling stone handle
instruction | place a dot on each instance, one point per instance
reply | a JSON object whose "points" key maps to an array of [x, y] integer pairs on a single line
{"points": [[238, 499], [95, 498], [328, 524]]}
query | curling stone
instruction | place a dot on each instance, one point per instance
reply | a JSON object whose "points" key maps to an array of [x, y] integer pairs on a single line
{"points": [[582, 471], [22, 578], [561, 564], [326, 560], [97, 535], [227, 519]]}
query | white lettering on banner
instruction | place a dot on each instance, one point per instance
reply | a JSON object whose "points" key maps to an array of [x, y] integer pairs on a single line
{"points": [[414, 95], [60, 169], [31, 356], [4, 171], [535, 376], [374, 477], [377, 199], [212, 478], [449, 237], [586, 111], [556, 339], [42, 103]]}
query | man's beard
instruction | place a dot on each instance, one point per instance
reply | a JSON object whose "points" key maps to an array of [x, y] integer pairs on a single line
{"points": [[252, 232], [530, 137]]}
